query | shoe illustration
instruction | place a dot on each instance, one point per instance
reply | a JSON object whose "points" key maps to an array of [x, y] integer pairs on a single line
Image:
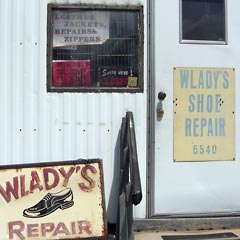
{"points": [[50, 203]]}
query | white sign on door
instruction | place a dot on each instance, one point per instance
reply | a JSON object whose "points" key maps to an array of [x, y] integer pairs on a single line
{"points": [[204, 114]]}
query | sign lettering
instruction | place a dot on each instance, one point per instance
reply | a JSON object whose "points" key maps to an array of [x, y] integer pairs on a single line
{"points": [[204, 114], [62, 201], [71, 73], [117, 77], [79, 28]]}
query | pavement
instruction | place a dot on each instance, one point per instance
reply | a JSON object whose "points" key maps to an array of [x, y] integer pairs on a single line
{"points": [[226, 234]]}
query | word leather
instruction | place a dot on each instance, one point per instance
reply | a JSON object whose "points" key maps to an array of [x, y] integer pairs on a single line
{"points": [[48, 178]]}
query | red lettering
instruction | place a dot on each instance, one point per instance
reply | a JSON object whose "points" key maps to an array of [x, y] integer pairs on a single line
{"points": [[66, 175], [32, 230], [22, 183], [10, 190], [114, 81], [16, 231], [61, 229], [46, 172], [73, 227], [84, 226], [84, 173], [35, 182], [46, 228]]}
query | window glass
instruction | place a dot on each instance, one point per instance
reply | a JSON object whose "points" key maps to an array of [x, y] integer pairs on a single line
{"points": [[94, 49], [203, 20]]}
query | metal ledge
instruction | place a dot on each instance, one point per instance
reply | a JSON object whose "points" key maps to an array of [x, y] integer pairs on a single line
{"points": [[186, 224]]}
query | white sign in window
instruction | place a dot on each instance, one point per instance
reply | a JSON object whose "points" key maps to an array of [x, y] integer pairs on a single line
{"points": [[79, 28]]}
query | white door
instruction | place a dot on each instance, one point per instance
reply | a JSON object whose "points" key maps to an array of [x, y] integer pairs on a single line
{"points": [[196, 166]]}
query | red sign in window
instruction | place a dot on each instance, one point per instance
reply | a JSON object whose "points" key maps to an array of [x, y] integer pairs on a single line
{"points": [[71, 73]]}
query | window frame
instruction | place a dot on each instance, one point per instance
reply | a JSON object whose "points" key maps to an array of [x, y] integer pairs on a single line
{"points": [[53, 6], [208, 42]]}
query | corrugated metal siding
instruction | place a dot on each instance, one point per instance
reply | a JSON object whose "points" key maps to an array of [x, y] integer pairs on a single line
{"points": [[37, 126]]}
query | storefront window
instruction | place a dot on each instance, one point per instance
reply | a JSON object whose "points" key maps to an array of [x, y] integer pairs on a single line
{"points": [[203, 20], [95, 49]]}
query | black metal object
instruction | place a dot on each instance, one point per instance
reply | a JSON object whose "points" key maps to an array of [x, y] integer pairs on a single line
{"points": [[161, 96], [130, 183]]}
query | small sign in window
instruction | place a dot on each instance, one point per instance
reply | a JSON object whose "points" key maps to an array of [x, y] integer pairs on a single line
{"points": [[117, 77], [71, 73]]}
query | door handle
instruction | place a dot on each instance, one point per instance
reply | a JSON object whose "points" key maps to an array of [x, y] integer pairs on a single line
{"points": [[161, 96], [160, 112]]}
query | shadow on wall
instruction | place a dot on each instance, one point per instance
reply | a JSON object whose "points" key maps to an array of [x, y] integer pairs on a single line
{"points": [[112, 208]]}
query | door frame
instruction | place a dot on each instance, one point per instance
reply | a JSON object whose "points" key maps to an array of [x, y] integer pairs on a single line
{"points": [[150, 109], [176, 222]]}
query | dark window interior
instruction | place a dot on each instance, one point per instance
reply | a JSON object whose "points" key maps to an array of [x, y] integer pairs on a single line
{"points": [[203, 20]]}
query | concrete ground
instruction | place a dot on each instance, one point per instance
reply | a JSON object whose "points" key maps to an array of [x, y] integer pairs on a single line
{"points": [[228, 234]]}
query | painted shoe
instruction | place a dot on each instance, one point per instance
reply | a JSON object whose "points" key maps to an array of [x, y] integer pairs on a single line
{"points": [[50, 203]]}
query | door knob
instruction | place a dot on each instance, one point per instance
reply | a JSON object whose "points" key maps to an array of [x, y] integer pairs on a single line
{"points": [[161, 96], [159, 111]]}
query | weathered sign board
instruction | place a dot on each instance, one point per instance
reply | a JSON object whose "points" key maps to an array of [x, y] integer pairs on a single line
{"points": [[80, 27], [61, 200], [204, 114]]}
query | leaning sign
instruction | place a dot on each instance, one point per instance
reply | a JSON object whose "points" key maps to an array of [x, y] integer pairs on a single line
{"points": [[204, 114], [61, 200]]}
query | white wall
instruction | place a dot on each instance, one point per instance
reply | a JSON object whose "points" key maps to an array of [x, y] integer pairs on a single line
{"points": [[37, 126]]}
